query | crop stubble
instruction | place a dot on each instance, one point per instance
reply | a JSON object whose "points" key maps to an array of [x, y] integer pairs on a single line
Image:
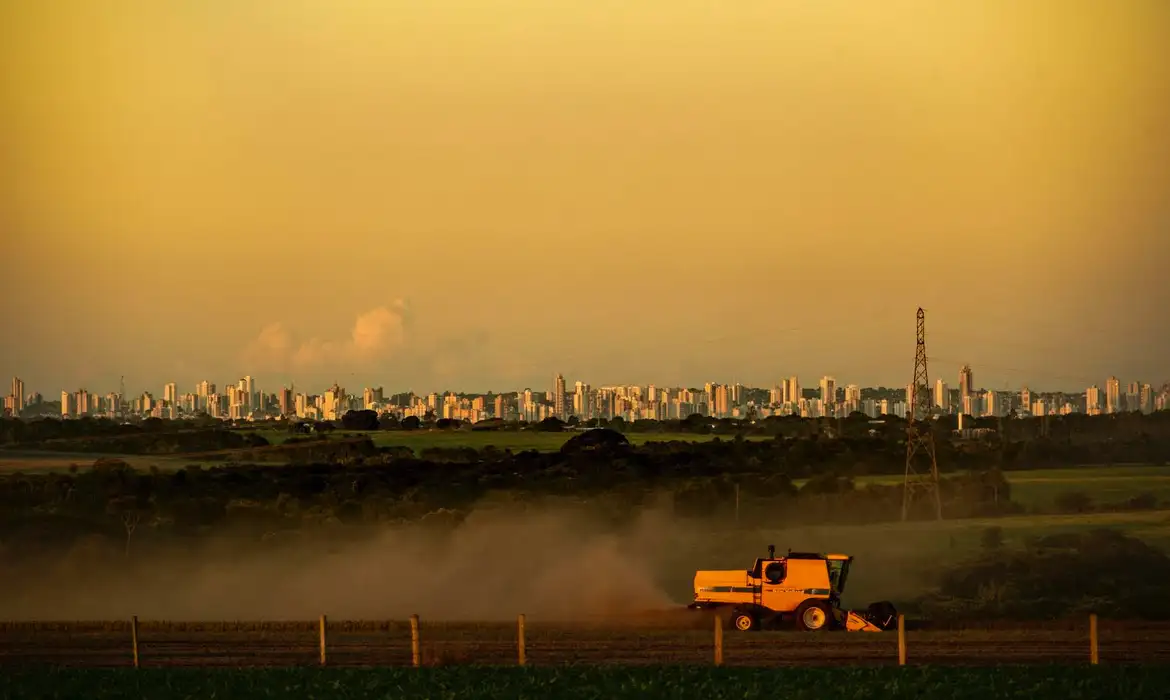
{"points": [[444, 643]]}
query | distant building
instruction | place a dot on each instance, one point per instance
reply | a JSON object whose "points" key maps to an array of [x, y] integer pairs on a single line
{"points": [[966, 384]]}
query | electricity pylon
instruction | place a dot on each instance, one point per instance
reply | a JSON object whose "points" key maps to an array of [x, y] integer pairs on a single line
{"points": [[920, 433]]}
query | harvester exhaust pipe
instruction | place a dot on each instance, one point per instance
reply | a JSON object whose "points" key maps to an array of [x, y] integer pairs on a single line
{"points": [[771, 551]]}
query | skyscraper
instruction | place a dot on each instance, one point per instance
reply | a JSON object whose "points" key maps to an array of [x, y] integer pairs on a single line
{"points": [[792, 393], [966, 382], [828, 391], [559, 397], [285, 403], [1113, 395], [942, 396], [17, 396], [1093, 400]]}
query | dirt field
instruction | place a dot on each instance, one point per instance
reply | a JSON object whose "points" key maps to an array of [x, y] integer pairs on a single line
{"points": [[388, 644]]}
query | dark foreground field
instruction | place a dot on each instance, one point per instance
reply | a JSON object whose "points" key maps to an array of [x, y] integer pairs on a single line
{"points": [[351, 644], [617, 683]]}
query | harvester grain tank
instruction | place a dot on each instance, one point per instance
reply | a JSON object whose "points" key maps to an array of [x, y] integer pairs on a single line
{"points": [[801, 588]]}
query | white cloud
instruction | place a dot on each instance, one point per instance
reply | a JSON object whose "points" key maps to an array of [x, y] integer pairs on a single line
{"points": [[377, 335]]}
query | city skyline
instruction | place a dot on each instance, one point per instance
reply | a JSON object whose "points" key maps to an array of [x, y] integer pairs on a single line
{"points": [[720, 191], [247, 399]]}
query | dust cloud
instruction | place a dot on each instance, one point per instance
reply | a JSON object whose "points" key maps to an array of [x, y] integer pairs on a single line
{"points": [[548, 562], [494, 565]]}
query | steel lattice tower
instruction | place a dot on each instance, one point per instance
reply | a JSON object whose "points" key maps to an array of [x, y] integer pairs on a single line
{"points": [[920, 433]]}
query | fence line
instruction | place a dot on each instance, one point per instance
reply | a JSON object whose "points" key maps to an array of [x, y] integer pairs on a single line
{"points": [[521, 643]]}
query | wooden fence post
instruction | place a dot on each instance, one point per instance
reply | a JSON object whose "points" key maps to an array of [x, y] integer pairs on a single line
{"points": [[718, 640], [415, 656], [134, 637], [1093, 657], [323, 625], [520, 640], [901, 639]]}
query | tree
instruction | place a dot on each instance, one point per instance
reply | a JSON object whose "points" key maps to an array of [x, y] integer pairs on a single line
{"points": [[411, 423], [552, 424], [130, 511], [360, 420]]}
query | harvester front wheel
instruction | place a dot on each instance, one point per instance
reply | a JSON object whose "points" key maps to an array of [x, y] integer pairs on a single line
{"points": [[744, 622], [814, 615]]}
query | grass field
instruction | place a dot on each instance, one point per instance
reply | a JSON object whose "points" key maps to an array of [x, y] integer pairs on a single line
{"points": [[1039, 488], [515, 440], [617, 683]]}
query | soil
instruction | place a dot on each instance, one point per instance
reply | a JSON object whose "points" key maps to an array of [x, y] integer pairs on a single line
{"points": [[653, 639]]}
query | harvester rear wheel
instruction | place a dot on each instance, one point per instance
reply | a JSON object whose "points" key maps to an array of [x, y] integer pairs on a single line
{"points": [[814, 615], [744, 622]]}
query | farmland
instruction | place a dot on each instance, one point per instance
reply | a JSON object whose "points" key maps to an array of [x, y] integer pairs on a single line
{"points": [[619, 683], [668, 640], [514, 440]]}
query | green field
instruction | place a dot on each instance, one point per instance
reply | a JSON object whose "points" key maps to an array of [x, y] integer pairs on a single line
{"points": [[616, 683], [1038, 488], [515, 440]]}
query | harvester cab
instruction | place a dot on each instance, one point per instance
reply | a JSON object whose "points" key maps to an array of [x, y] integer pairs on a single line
{"points": [[803, 588]]}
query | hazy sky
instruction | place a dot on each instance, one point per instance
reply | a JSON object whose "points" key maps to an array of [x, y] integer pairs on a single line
{"points": [[477, 194]]}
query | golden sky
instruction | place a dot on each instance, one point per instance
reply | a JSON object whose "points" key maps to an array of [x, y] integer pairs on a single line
{"points": [[477, 194]]}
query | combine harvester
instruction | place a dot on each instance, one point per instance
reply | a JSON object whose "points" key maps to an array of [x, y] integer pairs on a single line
{"points": [[802, 588]]}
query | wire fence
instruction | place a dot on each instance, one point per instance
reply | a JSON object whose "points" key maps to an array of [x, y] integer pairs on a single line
{"points": [[413, 642]]}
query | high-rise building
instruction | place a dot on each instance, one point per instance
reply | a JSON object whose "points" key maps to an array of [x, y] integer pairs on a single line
{"points": [[722, 400], [284, 402], [966, 383], [170, 394], [582, 406], [1093, 400], [82, 405], [66, 404], [792, 393], [1113, 395], [559, 397], [1147, 399], [942, 396], [992, 403], [333, 404], [371, 398], [828, 392], [247, 388], [1133, 396], [17, 396]]}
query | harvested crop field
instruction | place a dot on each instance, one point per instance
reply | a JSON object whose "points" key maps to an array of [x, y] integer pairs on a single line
{"points": [[389, 644]]}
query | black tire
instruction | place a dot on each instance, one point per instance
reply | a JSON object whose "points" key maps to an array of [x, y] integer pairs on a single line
{"points": [[744, 621], [814, 616]]}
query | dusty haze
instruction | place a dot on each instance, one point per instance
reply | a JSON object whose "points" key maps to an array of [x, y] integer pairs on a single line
{"points": [[548, 562]]}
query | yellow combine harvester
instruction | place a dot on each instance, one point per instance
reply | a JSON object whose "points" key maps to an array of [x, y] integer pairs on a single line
{"points": [[802, 588]]}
